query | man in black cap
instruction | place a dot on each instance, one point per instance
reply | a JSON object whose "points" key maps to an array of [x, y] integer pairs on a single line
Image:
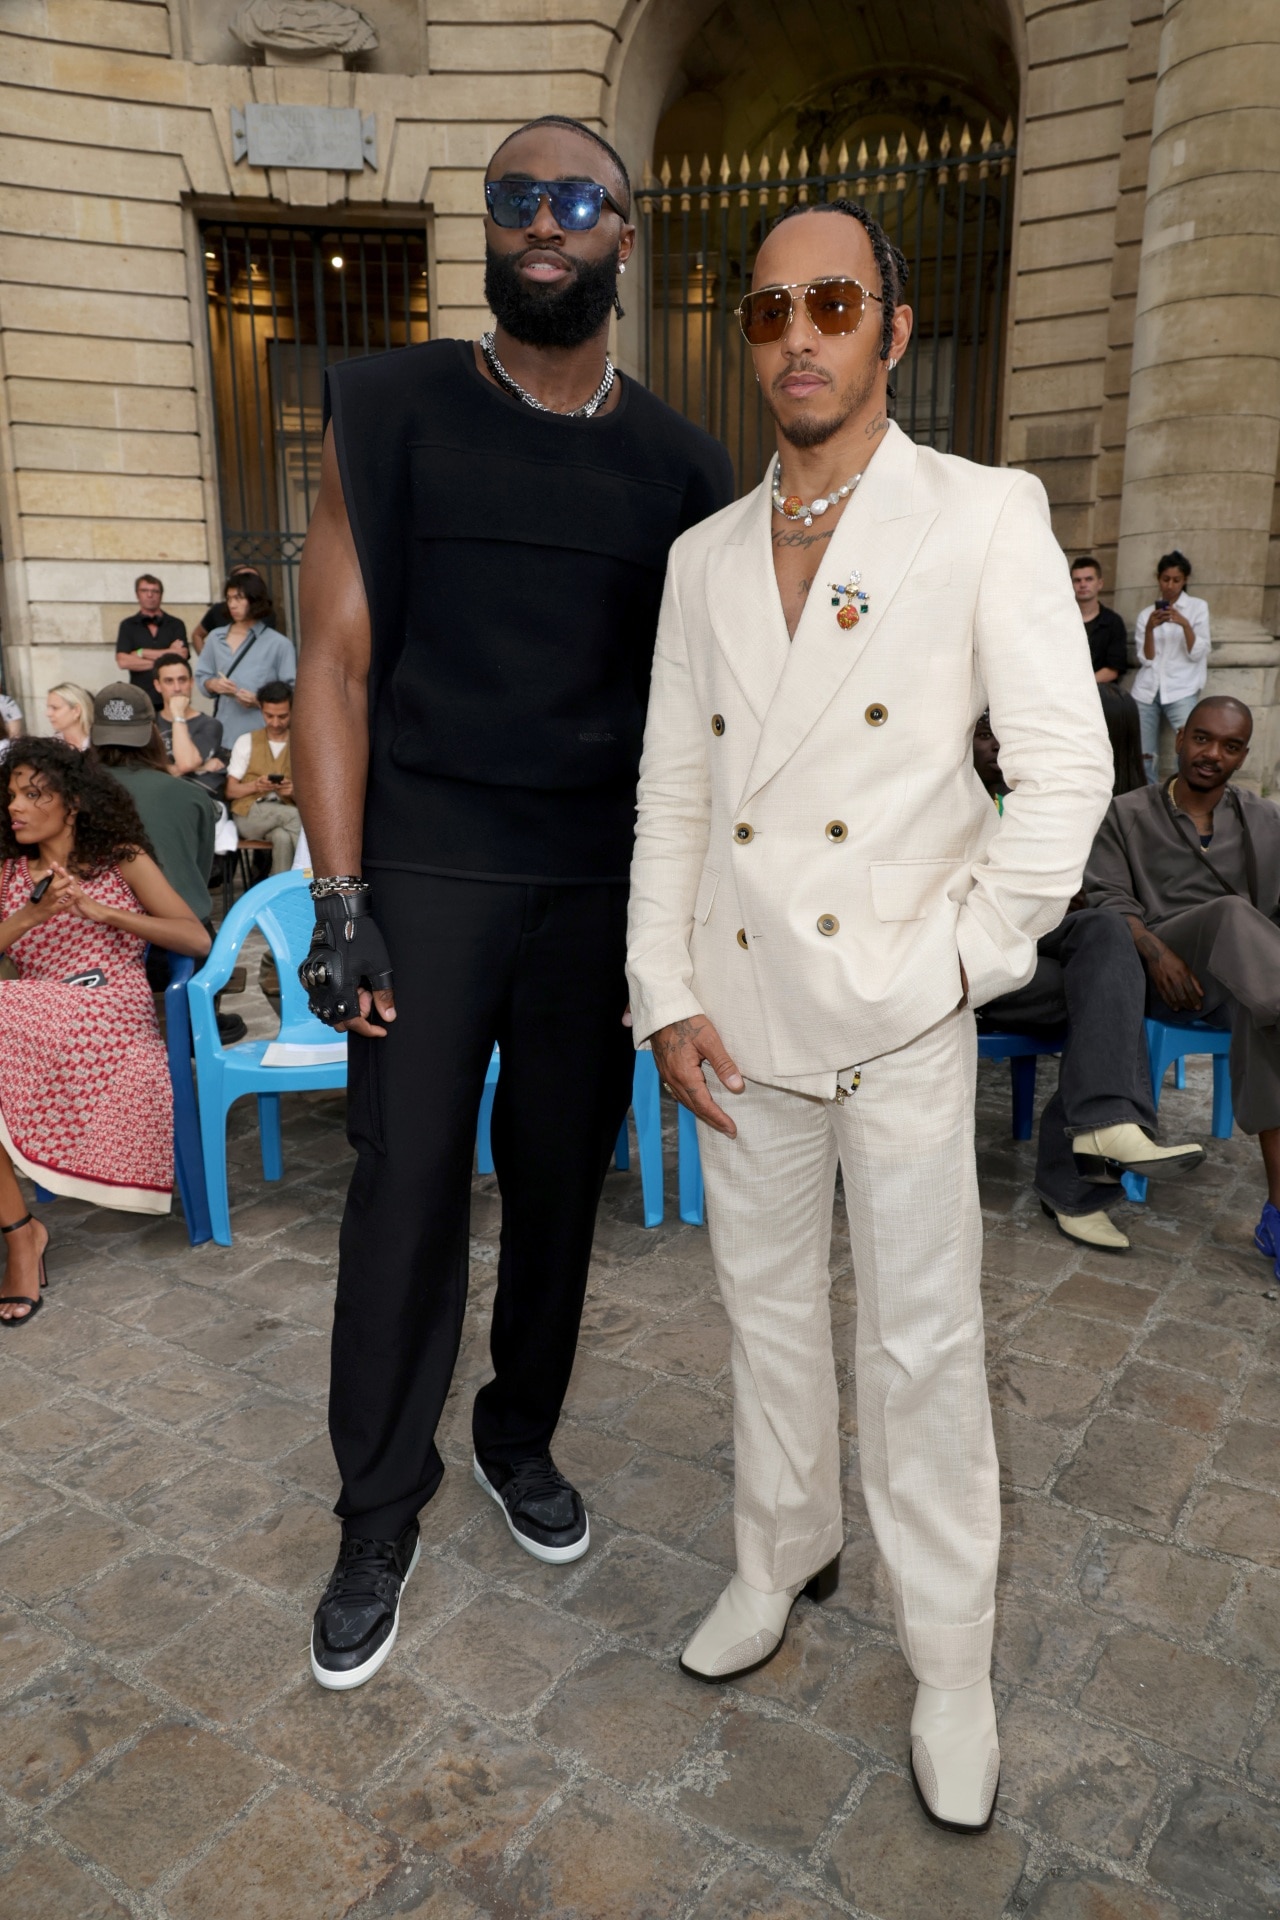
{"points": [[480, 595]]}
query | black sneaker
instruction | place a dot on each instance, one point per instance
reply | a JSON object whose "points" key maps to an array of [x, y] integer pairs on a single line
{"points": [[544, 1513], [355, 1624]]}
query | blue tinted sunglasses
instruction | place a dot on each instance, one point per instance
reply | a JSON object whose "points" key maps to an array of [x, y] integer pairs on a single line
{"points": [[575, 204]]}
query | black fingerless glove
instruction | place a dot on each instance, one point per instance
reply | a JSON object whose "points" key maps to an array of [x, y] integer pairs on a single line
{"points": [[347, 952]]}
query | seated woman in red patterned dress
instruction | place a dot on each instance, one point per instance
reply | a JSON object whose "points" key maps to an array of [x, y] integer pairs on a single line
{"points": [[85, 1103]]}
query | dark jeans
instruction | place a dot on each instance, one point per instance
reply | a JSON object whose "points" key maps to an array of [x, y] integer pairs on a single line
{"points": [[1088, 974], [539, 970]]}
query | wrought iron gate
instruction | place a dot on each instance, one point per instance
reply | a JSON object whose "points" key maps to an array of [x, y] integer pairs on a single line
{"points": [[949, 213], [283, 302]]}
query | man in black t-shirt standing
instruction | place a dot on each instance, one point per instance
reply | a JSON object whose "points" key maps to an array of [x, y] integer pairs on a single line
{"points": [[480, 592], [1107, 633], [143, 636]]}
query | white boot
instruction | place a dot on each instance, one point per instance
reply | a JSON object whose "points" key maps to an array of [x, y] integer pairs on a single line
{"points": [[745, 1626], [1091, 1230], [1107, 1152], [955, 1753]]}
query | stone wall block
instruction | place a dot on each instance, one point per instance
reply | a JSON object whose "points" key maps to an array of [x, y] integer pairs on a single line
{"points": [[145, 542], [459, 283], [1214, 501], [104, 582], [1219, 201], [1075, 85], [1055, 389], [1140, 99], [1061, 34], [143, 496], [25, 259], [91, 217], [104, 315], [1087, 188], [1227, 79], [1253, 388], [60, 625], [1056, 246], [1069, 482], [1120, 323], [114, 173], [1075, 337], [582, 48], [92, 23], [1238, 326], [1196, 31], [98, 450], [1086, 289], [1188, 445], [1242, 268], [1065, 140], [64, 356], [68, 403], [98, 72]]}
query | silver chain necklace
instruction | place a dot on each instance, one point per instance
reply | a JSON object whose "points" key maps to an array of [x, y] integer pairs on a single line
{"points": [[504, 379]]}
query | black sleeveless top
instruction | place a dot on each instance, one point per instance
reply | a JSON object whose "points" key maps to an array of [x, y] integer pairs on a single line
{"points": [[513, 563]]}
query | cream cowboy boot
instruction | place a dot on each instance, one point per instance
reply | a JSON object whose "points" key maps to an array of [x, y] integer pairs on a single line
{"points": [[955, 1754], [745, 1626], [1104, 1153]]}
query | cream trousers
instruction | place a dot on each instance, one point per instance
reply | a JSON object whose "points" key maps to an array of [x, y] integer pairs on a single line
{"points": [[904, 1140]]}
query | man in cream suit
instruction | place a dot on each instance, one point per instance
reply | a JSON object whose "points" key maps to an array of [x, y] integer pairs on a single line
{"points": [[821, 893]]}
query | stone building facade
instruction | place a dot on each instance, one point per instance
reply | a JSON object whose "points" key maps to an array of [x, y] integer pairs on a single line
{"points": [[1140, 373]]}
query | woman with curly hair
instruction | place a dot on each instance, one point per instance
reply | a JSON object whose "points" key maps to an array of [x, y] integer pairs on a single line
{"points": [[85, 1103]]}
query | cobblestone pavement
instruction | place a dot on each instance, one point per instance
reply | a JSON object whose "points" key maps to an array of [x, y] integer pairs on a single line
{"points": [[531, 1749]]}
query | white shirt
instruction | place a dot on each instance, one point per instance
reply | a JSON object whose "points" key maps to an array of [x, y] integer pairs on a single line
{"points": [[238, 764], [1174, 673]]}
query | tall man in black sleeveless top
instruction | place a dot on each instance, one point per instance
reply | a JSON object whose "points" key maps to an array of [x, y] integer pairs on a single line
{"points": [[480, 594]]}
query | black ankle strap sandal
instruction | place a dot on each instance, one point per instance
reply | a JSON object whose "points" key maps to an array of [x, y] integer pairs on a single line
{"points": [[21, 1299]]}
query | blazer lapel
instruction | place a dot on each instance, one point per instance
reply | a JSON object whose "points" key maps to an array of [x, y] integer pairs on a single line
{"points": [[880, 537], [744, 605]]}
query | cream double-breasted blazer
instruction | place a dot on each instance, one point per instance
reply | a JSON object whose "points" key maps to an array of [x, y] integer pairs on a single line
{"points": [[815, 855]]}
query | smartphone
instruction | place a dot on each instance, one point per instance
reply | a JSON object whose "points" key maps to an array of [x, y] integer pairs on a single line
{"points": [[1162, 606], [276, 779], [40, 889]]}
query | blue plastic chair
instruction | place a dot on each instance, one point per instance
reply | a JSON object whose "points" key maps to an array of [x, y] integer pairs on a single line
{"points": [[282, 908], [1022, 1052], [187, 1161], [646, 1110], [1168, 1044]]}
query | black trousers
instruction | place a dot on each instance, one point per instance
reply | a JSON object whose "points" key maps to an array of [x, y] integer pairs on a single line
{"points": [[540, 971], [1088, 973]]}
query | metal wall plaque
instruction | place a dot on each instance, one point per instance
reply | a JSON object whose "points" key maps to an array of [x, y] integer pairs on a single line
{"points": [[337, 139]]}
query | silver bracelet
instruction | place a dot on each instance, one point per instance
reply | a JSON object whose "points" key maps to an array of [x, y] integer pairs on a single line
{"points": [[331, 883]]}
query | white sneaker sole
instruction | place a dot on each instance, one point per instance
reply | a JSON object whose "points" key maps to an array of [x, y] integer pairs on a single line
{"points": [[553, 1556], [356, 1676]]}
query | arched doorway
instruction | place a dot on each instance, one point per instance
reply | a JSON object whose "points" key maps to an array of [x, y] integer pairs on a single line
{"points": [[733, 111]]}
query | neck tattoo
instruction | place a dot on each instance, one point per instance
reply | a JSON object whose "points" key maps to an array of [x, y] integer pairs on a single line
{"points": [[512, 385]]}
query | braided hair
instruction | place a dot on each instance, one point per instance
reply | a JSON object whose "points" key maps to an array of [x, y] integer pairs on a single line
{"points": [[891, 262]]}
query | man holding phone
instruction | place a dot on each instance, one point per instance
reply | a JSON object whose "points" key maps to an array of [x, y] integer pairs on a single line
{"points": [[260, 778]]}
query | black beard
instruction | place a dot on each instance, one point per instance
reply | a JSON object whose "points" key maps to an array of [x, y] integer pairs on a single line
{"points": [[805, 430], [545, 316]]}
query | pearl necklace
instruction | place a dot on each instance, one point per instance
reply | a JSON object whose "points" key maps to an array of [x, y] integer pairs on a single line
{"points": [[513, 386], [794, 508]]}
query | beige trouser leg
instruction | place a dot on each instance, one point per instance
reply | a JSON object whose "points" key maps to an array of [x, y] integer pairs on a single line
{"points": [[278, 822], [929, 1473]]}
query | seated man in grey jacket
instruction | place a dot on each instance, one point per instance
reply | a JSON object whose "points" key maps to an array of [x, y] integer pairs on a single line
{"points": [[1194, 867], [1100, 1120]]}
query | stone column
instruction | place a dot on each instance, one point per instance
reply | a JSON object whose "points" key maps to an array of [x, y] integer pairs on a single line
{"points": [[1204, 398]]}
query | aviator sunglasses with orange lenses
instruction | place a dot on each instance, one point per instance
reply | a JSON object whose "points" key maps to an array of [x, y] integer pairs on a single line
{"points": [[835, 305]]}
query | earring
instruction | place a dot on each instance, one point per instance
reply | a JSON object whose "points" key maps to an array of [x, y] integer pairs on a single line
{"points": [[892, 365], [622, 266]]}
